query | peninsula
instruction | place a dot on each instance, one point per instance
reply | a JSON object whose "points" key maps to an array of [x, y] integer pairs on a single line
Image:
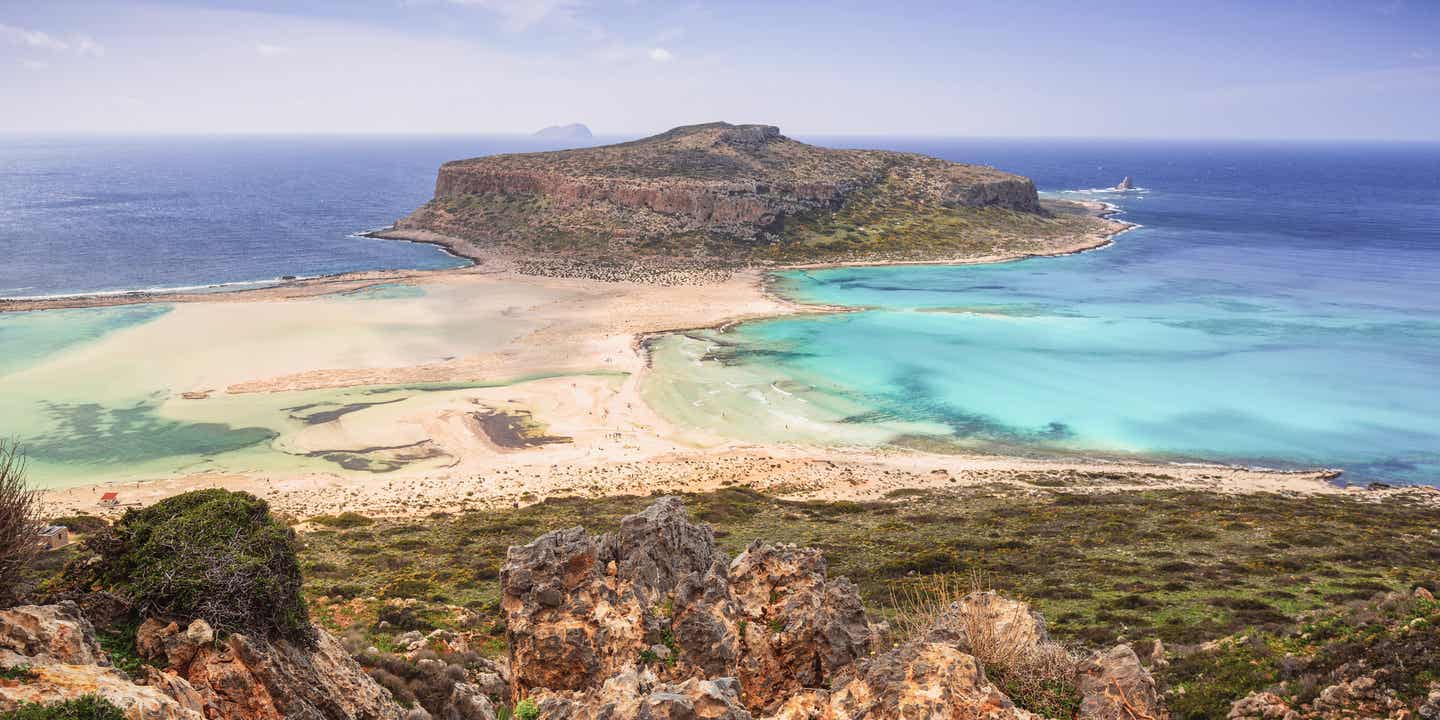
{"points": [[721, 196]]}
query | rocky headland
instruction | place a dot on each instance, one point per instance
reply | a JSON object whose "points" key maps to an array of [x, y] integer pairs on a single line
{"points": [[720, 196]]}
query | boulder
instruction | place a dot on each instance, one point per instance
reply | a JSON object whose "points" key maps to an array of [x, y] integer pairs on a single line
{"points": [[582, 611], [59, 682], [48, 635], [1261, 706], [920, 680], [1115, 686], [252, 679], [636, 693]]}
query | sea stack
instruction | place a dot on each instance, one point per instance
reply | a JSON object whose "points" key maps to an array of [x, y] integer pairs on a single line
{"points": [[1126, 184]]}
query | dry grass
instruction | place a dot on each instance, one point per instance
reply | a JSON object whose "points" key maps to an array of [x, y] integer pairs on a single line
{"points": [[19, 523], [1010, 643]]}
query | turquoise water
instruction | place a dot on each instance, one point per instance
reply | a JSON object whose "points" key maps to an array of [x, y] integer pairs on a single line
{"points": [[1280, 307]]}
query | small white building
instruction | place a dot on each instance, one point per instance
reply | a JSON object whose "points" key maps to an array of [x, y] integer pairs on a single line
{"points": [[110, 499], [54, 537]]}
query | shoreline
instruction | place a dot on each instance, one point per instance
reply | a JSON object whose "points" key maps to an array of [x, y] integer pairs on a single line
{"points": [[617, 443], [481, 262]]}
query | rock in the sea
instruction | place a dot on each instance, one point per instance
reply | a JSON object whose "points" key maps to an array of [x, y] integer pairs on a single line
{"points": [[1126, 184], [573, 131], [713, 190]]}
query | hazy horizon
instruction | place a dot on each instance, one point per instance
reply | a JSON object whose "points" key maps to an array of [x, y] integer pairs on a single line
{"points": [[1296, 70]]}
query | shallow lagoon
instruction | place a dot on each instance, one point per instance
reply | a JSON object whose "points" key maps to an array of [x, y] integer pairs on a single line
{"points": [[1280, 307]]}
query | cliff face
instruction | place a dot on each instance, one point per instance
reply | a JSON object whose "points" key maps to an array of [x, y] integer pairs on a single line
{"points": [[695, 191]]}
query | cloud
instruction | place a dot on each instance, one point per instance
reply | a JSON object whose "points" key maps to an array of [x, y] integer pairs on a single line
{"points": [[661, 55], [517, 15], [34, 64], [270, 51], [1421, 54], [39, 40]]}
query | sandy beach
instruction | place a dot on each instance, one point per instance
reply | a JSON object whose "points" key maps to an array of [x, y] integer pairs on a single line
{"points": [[484, 387]]}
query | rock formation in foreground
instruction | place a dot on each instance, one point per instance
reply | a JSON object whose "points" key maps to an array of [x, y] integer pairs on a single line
{"points": [[653, 621], [193, 675], [737, 193]]}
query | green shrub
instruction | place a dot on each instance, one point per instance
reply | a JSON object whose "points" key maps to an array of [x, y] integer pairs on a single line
{"points": [[343, 521], [527, 710], [87, 707], [18, 672], [210, 554]]}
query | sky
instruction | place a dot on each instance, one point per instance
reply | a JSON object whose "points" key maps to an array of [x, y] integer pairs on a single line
{"points": [[1291, 69]]}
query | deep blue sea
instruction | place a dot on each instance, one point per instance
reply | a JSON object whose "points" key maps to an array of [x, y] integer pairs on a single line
{"points": [[104, 214], [1279, 306]]}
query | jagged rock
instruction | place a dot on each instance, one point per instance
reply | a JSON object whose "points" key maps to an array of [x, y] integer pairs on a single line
{"points": [[251, 679], [59, 682], [1114, 686], [1261, 706], [801, 628], [468, 702], [66, 662], [579, 610], [652, 622], [1430, 710], [1126, 184], [48, 635], [921, 680], [638, 694]]}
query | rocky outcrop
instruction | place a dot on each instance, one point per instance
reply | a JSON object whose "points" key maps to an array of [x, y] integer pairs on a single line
{"points": [[654, 621], [243, 677], [658, 593], [57, 645], [1114, 686], [701, 190], [1126, 184], [48, 635], [194, 674]]}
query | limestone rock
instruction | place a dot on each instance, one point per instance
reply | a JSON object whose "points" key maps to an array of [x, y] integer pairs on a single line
{"points": [[58, 682], [468, 702], [251, 679], [638, 694], [48, 635], [922, 680], [1261, 706], [1114, 686], [580, 610], [1126, 184]]}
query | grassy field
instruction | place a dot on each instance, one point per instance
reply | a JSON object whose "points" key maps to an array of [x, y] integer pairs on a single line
{"points": [[1182, 566], [1296, 586]]}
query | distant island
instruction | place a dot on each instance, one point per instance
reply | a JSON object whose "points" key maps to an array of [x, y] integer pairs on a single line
{"points": [[727, 195], [573, 131]]}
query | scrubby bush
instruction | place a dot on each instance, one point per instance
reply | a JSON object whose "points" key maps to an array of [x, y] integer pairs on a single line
{"points": [[210, 554], [19, 524], [87, 707], [343, 521]]}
